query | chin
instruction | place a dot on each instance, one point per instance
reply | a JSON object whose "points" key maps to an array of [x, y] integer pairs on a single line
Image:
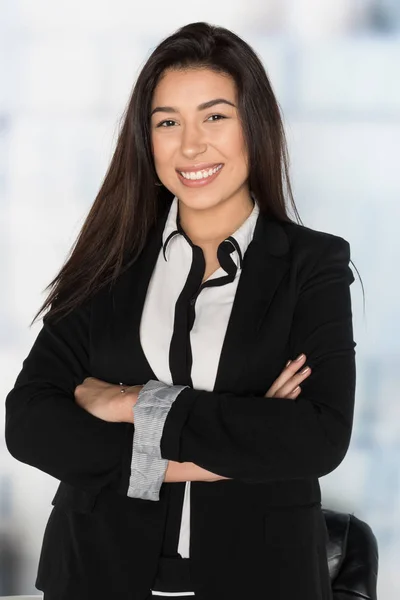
{"points": [[199, 201]]}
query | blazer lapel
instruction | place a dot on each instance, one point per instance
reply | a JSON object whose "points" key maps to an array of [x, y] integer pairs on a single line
{"points": [[127, 305], [264, 267]]}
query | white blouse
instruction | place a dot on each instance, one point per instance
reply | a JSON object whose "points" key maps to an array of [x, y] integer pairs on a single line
{"points": [[163, 332]]}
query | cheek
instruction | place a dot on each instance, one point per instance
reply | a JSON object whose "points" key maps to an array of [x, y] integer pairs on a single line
{"points": [[238, 156], [241, 150], [232, 146], [162, 150], [239, 144]]}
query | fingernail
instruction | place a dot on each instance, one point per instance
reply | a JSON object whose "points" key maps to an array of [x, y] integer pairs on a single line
{"points": [[296, 388], [305, 370], [299, 357], [288, 363]]}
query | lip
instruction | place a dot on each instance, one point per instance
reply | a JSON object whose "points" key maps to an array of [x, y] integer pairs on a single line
{"points": [[198, 167], [195, 183]]}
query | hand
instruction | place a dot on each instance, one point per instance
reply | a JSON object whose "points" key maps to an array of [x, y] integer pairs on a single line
{"points": [[105, 401], [287, 385], [188, 471]]}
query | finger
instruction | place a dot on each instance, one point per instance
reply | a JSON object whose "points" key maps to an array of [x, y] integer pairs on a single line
{"points": [[287, 374], [293, 382], [293, 365], [293, 395]]}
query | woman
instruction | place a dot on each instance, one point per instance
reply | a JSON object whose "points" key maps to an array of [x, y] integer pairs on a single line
{"points": [[195, 374]]}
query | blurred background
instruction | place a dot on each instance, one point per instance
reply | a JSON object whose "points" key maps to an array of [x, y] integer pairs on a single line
{"points": [[66, 72]]}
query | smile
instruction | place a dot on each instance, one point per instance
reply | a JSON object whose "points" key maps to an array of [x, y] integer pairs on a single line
{"points": [[196, 178]]}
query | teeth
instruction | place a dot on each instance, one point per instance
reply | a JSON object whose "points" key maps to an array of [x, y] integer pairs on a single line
{"points": [[200, 174]]}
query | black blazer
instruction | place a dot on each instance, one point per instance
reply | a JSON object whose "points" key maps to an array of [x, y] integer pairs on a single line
{"points": [[261, 533]]}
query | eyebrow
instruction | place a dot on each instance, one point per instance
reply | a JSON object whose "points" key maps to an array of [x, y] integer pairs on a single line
{"points": [[203, 106]]}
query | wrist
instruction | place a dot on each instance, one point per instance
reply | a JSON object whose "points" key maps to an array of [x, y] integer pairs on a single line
{"points": [[127, 402]]}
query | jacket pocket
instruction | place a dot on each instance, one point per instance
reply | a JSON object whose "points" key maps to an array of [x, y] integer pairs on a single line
{"points": [[53, 561], [291, 540], [71, 498], [292, 525]]}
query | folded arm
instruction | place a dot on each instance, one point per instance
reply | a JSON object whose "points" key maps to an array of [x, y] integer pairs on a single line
{"points": [[45, 427], [250, 438], [258, 439]]}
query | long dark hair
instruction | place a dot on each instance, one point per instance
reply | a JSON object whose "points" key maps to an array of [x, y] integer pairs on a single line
{"points": [[128, 203]]}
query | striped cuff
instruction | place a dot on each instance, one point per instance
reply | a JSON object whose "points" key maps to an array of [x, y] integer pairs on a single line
{"points": [[150, 412]]}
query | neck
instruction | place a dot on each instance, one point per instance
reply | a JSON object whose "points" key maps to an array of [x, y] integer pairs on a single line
{"points": [[209, 227]]}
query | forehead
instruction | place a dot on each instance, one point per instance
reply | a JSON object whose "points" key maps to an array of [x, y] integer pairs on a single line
{"points": [[192, 86]]}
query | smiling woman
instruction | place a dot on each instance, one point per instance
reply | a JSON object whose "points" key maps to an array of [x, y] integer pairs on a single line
{"points": [[195, 374]]}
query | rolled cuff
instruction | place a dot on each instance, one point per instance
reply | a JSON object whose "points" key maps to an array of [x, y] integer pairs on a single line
{"points": [[150, 412]]}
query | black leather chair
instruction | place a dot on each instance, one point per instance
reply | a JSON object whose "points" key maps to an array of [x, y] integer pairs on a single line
{"points": [[352, 557]]}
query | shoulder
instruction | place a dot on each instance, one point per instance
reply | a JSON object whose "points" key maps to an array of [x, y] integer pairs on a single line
{"points": [[312, 253], [311, 245], [301, 236]]}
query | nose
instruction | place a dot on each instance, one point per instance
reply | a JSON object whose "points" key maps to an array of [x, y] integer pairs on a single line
{"points": [[192, 142]]}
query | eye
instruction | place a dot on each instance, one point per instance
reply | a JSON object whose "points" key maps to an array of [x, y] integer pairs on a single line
{"points": [[162, 124], [219, 117]]}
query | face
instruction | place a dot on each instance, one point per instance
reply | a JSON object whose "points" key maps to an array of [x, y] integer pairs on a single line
{"points": [[197, 139]]}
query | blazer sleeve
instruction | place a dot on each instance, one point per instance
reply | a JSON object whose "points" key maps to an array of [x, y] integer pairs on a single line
{"points": [[257, 439], [45, 427]]}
